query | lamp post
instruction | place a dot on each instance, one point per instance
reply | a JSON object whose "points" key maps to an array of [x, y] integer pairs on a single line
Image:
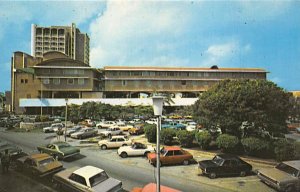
{"points": [[66, 115], [157, 108], [41, 97]]}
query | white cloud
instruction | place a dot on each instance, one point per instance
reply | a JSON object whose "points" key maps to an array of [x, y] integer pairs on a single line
{"points": [[135, 32], [222, 50]]}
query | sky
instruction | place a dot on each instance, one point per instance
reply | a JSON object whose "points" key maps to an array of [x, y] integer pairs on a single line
{"points": [[247, 34]]}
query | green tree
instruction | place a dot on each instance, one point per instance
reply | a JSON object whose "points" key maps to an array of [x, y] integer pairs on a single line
{"points": [[74, 113], [203, 138], [230, 103]]}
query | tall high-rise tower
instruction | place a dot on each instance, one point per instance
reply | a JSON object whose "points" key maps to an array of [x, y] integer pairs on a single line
{"points": [[66, 39]]}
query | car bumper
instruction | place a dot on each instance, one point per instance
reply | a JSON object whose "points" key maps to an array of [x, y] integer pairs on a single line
{"points": [[269, 182]]}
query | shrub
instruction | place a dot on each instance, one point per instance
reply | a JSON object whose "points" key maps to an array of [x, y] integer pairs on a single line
{"points": [[284, 150], [297, 146], [185, 138], [255, 146], [167, 135], [44, 118], [150, 132], [203, 139], [228, 143]]}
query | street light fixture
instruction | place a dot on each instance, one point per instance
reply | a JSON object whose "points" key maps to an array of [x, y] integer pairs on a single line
{"points": [[157, 108], [66, 115]]}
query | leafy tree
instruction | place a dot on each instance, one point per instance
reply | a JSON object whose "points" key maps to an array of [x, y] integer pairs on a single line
{"points": [[255, 146], [74, 113], [203, 139], [285, 150], [227, 143], [186, 138], [230, 103], [150, 132], [167, 135]]}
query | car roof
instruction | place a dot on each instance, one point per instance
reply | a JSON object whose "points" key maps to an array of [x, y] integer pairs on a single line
{"points": [[88, 171], [172, 148], [119, 136], [228, 156], [295, 164]]}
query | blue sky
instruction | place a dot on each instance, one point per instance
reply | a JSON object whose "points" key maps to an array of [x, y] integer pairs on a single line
{"points": [[260, 34]]}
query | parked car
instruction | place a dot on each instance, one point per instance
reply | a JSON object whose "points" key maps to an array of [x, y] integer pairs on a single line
{"points": [[173, 125], [59, 150], [73, 130], [224, 164], [114, 142], [151, 187], [125, 127], [105, 124], [112, 131], [39, 165], [151, 121], [283, 177], [191, 126], [84, 133], [13, 150], [137, 129], [88, 123], [86, 179], [171, 155], [136, 149], [53, 127]]}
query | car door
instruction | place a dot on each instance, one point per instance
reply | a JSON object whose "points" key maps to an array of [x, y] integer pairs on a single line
{"points": [[226, 168], [120, 142], [179, 156], [167, 158], [236, 167], [112, 143]]}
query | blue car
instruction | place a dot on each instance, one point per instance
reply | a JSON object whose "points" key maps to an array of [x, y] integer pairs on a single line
{"points": [[173, 125]]}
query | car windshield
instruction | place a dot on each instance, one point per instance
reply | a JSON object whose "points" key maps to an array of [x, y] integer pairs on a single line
{"points": [[163, 151], [288, 169], [218, 160], [96, 179], [46, 161]]}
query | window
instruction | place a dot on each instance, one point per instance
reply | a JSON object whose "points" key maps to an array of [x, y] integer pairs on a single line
{"points": [[178, 152], [183, 82], [121, 139], [22, 80], [169, 153], [26, 80], [46, 71], [80, 71], [80, 81], [70, 81], [124, 83], [78, 179], [56, 81], [46, 81]]}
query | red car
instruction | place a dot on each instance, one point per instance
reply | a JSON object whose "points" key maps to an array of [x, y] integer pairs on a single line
{"points": [[171, 155], [151, 187]]}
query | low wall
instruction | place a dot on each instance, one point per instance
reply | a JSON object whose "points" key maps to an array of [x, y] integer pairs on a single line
{"points": [[34, 125]]}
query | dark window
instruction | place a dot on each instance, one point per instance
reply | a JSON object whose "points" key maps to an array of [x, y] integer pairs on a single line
{"points": [[183, 82], [70, 81], [120, 139], [26, 80], [113, 140], [226, 163], [178, 152], [22, 80], [123, 82], [169, 153], [78, 179]]}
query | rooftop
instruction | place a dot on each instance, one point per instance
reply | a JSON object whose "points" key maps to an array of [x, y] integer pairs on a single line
{"points": [[88, 171]]}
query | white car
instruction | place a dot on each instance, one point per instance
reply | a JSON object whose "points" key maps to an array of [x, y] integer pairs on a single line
{"points": [[88, 178], [114, 142], [191, 126], [112, 131], [53, 127], [136, 149], [151, 121], [105, 124]]}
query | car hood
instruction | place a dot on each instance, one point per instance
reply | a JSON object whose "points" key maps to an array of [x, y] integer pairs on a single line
{"points": [[108, 185], [69, 150], [47, 128], [77, 133], [207, 163], [276, 174]]}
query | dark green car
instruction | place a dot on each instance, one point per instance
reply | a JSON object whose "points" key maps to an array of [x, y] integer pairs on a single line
{"points": [[59, 150]]}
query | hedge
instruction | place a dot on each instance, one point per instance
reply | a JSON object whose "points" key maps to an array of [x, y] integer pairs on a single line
{"points": [[186, 138], [255, 146], [203, 139], [150, 132], [228, 143], [167, 135]]}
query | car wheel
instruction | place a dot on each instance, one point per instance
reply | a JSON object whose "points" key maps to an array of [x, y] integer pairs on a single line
{"points": [[186, 162], [212, 175], [103, 147], [99, 127], [243, 173], [290, 188], [124, 154]]}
